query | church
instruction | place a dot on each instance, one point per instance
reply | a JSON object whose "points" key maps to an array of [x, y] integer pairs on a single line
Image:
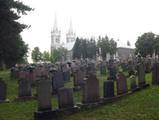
{"points": [[122, 53], [56, 39]]}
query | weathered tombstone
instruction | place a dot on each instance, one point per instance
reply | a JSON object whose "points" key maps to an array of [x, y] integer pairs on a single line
{"points": [[57, 81], [24, 89], [121, 84], [3, 91], [133, 83], [44, 90], [141, 75], [78, 79], [91, 90], [65, 98], [108, 89], [91, 68], [14, 73], [155, 73]]}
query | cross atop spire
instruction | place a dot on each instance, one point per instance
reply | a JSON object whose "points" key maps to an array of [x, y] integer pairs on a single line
{"points": [[71, 28], [55, 24]]}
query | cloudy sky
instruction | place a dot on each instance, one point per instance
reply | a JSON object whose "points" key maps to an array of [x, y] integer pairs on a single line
{"points": [[119, 19]]}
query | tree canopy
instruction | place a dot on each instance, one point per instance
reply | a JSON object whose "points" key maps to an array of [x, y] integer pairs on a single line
{"points": [[12, 47], [147, 43]]}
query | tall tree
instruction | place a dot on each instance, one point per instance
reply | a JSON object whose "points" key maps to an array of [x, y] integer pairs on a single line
{"points": [[46, 56], [145, 44], [12, 47], [77, 49], [36, 55]]}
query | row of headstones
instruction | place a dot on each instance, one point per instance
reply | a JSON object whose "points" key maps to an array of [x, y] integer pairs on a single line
{"points": [[90, 91], [25, 87]]}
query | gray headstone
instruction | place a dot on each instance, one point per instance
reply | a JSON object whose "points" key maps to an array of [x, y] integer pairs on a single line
{"points": [[91, 90], [78, 78], [44, 92], [121, 84], [24, 88], [65, 98], [155, 74], [57, 81], [141, 75], [3, 90]]}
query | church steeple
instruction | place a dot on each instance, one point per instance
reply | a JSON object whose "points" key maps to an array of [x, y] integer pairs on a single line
{"points": [[55, 36], [70, 36], [55, 28], [71, 28]]}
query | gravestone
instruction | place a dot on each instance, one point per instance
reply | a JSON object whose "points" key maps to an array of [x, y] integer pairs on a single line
{"points": [[24, 89], [3, 91], [14, 73], [102, 69], [133, 83], [44, 90], [108, 88], [91, 90], [57, 81], [121, 84], [78, 78], [141, 75], [155, 73], [65, 98]]}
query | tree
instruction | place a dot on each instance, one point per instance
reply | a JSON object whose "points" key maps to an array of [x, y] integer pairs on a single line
{"points": [[107, 46], [46, 56], [59, 54], [77, 49], [12, 47], [146, 44], [36, 55], [112, 47]]}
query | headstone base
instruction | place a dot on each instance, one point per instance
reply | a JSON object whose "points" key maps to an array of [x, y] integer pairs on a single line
{"points": [[53, 115], [25, 98], [142, 86], [4, 101]]}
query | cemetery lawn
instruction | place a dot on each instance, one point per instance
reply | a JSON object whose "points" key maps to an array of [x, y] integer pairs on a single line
{"points": [[143, 105]]}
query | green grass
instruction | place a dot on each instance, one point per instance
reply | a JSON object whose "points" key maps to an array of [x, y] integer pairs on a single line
{"points": [[143, 105]]}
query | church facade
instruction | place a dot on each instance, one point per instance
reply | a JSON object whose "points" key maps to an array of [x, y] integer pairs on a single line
{"points": [[56, 39]]}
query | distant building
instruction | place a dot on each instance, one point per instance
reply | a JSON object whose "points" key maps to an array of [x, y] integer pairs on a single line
{"points": [[124, 53]]}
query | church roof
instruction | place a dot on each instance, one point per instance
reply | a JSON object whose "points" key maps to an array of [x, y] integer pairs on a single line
{"points": [[69, 45]]}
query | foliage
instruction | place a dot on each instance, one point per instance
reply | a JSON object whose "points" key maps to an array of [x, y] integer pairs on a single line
{"points": [[84, 48], [147, 43], [36, 55], [107, 46], [59, 54], [45, 56], [12, 47]]}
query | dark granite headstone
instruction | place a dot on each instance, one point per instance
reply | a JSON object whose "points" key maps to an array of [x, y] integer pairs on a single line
{"points": [[91, 90], [44, 90], [108, 89], [3, 91], [155, 74], [121, 84], [65, 98]]}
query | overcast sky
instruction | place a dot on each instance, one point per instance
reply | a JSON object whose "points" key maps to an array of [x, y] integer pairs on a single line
{"points": [[119, 19]]}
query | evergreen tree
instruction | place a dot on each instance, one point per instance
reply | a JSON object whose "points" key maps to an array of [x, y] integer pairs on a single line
{"points": [[12, 47]]}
